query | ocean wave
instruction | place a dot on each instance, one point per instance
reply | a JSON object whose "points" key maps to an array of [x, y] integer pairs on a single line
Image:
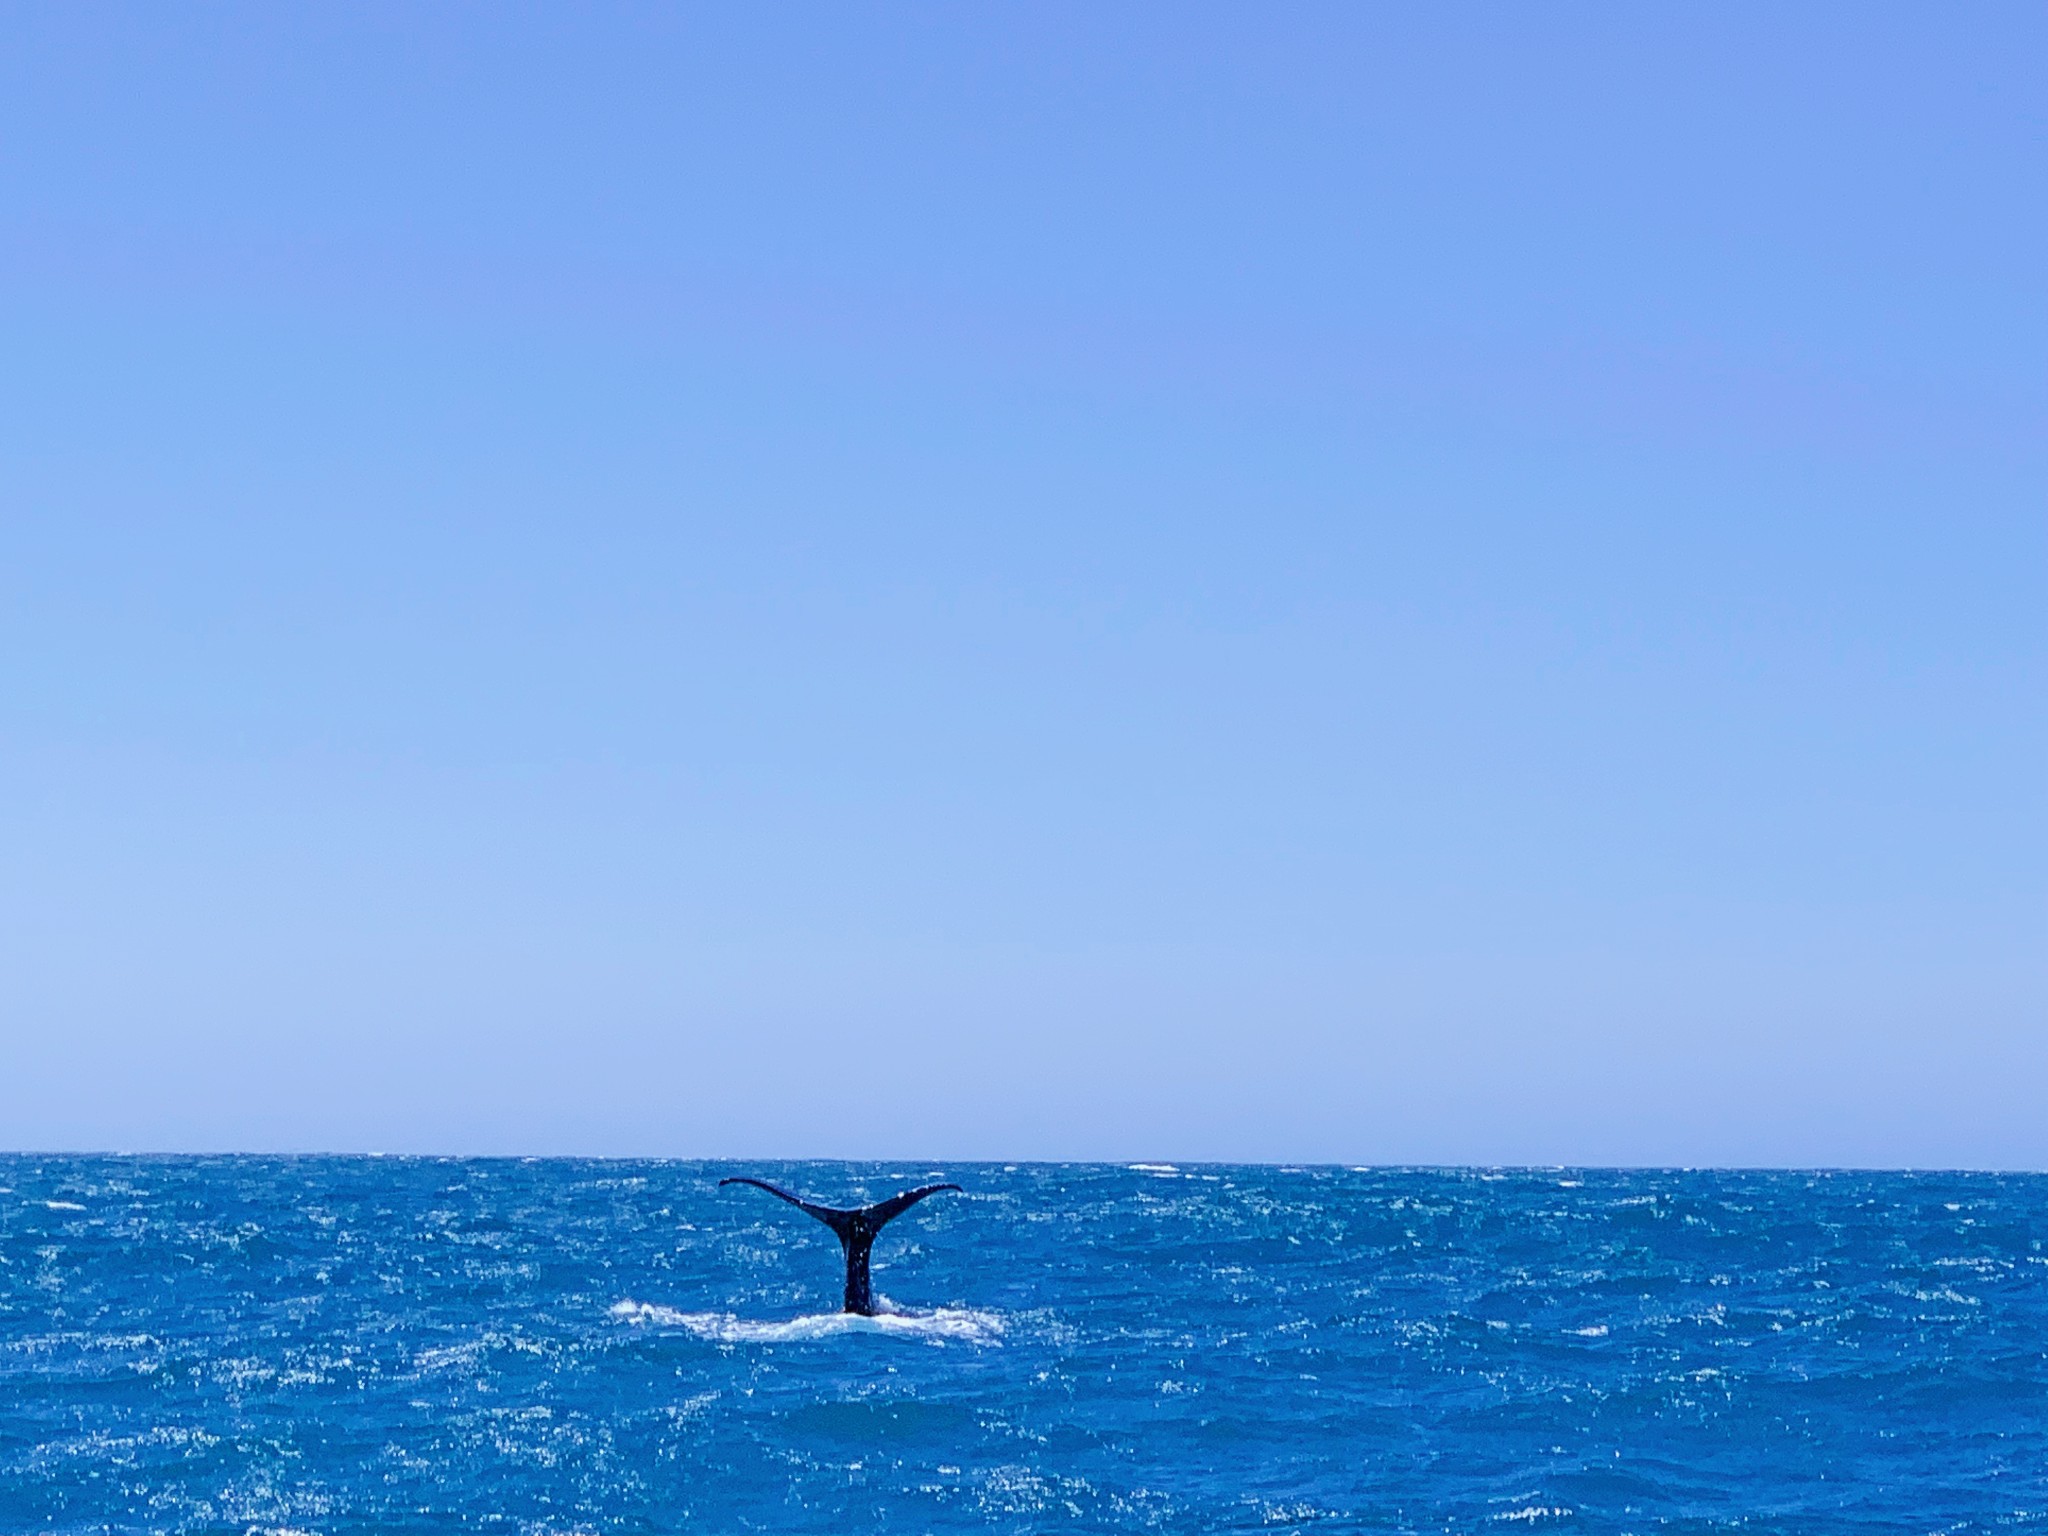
{"points": [[958, 1324], [1154, 1346]]}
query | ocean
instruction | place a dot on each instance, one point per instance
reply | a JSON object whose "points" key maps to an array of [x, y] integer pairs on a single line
{"points": [[342, 1345]]}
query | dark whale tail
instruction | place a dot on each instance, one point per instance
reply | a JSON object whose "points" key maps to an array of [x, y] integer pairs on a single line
{"points": [[855, 1228]]}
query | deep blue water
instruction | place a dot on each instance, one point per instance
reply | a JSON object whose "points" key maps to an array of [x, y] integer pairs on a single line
{"points": [[357, 1345]]}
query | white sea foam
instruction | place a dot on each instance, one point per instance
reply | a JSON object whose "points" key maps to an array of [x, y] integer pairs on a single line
{"points": [[1153, 1168], [63, 1205], [959, 1324]]}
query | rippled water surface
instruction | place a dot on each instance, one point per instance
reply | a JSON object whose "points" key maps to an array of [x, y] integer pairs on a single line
{"points": [[358, 1345]]}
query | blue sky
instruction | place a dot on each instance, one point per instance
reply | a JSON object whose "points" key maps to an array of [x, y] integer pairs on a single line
{"points": [[1327, 582]]}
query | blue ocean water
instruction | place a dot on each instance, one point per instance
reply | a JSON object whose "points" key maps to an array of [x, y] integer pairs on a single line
{"points": [[360, 1345]]}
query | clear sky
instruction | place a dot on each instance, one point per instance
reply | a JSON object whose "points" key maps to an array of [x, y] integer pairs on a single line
{"points": [[1371, 583]]}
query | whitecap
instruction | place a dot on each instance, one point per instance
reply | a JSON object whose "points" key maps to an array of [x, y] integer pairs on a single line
{"points": [[1152, 1167], [960, 1324], [1948, 1294], [63, 1205]]}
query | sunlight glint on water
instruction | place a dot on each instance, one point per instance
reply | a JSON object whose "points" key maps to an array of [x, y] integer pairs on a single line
{"points": [[357, 1345]]}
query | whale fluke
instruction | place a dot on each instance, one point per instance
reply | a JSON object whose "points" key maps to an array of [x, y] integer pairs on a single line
{"points": [[855, 1227]]}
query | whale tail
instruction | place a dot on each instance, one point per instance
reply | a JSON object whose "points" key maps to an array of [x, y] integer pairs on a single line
{"points": [[855, 1227]]}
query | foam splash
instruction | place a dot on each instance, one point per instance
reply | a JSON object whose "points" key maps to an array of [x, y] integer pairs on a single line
{"points": [[958, 1324]]}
